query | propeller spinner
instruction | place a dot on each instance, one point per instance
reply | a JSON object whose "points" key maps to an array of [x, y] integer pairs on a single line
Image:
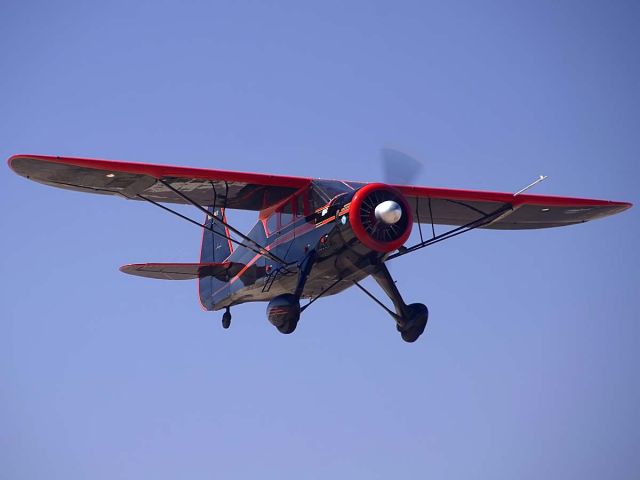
{"points": [[388, 212]]}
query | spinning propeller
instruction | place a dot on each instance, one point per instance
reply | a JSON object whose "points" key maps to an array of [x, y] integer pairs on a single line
{"points": [[399, 168], [381, 216]]}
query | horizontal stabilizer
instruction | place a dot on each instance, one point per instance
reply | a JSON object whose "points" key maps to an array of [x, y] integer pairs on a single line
{"points": [[180, 271]]}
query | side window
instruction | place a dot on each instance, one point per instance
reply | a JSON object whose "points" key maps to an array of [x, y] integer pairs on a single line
{"points": [[286, 215], [300, 210]]}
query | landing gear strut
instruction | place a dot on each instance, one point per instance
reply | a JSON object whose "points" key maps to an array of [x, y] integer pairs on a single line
{"points": [[226, 318], [411, 320]]}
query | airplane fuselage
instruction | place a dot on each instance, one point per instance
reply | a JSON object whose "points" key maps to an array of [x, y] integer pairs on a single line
{"points": [[339, 257]]}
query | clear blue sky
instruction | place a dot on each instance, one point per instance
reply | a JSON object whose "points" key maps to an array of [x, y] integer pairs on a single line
{"points": [[529, 365]]}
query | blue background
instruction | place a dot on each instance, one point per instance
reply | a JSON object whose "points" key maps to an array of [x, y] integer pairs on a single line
{"points": [[528, 368]]}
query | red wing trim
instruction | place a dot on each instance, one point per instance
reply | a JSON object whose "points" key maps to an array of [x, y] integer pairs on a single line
{"points": [[502, 197], [159, 171]]}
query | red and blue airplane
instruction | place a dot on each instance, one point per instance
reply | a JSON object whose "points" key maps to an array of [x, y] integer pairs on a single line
{"points": [[313, 238]]}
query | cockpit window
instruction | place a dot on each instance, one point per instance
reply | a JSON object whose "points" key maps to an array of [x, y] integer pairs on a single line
{"points": [[323, 191]]}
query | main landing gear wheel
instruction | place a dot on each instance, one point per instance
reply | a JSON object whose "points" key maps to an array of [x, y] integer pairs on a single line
{"points": [[418, 317], [283, 312], [411, 320], [288, 327], [226, 319]]}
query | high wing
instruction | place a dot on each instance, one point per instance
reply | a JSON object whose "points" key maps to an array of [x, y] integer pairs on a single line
{"points": [[247, 191], [189, 271], [503, 210], [253, 191]]}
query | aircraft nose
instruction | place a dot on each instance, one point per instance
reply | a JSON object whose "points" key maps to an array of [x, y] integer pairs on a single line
{"points": [[388, 212]]}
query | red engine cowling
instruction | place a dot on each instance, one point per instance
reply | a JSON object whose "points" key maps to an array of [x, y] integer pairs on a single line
{"points": [[372, 231]]}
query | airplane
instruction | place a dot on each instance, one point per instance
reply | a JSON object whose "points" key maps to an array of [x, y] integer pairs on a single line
{"points": [[313, 238]]}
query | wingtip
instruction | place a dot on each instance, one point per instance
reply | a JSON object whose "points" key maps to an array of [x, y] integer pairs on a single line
{"points": [[11, 159], [19, 156], [623, 205], [127, 268]]}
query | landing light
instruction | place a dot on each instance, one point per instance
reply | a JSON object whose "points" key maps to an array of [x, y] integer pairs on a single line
{"points": [[111, 175], [545, 209]]}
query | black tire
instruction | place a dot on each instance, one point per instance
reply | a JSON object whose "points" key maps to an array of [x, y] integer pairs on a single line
{"points": [[283, 312], [288, 327], [226, 320], [417, 323]]}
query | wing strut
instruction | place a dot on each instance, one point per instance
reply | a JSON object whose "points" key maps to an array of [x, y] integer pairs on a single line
{"points": [[222, 222], [260, 250], [320, 294], [480, 222]]}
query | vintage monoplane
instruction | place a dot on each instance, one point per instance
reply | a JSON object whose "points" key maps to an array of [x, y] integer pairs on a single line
{"points": [[313, 237]]}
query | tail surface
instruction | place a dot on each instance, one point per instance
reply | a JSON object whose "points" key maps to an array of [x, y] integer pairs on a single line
{"points": [[215, 249]]}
